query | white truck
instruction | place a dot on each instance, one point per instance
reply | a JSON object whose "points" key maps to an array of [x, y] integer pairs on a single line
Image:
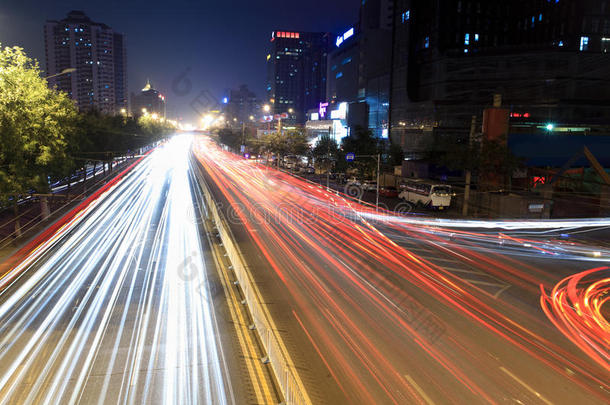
{"points": [[426, 193]]}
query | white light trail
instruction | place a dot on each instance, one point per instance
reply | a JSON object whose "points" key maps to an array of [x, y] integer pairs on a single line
{"points": [[117, 309]]}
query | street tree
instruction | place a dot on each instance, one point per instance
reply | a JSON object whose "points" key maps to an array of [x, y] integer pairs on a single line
{"points": [[230, 138], [287, 143], [362, 143], [36, 123], [325, 151]]}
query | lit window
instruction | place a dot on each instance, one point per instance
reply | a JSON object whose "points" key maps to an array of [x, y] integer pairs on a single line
{"points": [[467, 39], [340, 74], [476, 37], [605, 45], [427, 42], [584, 43], [406, 16]]}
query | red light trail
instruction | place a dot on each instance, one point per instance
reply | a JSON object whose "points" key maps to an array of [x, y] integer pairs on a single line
{"points": [[361, 294]]}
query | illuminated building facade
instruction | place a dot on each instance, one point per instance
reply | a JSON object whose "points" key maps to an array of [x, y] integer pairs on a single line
{"points": [[99, 56], [296, 68], [148, 101]]}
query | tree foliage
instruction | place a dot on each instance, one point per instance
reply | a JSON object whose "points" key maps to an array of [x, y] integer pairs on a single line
{"points": [[362, 143], [490, 159], [42, 135], [287, 143], [326, 151], [231, 138], [36, 125]]}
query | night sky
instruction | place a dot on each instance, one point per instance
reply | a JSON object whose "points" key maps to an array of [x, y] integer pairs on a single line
{"points": [[223, 43]]}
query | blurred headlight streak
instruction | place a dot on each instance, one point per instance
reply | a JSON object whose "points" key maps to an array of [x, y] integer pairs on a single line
{"points": [[117, 308]]}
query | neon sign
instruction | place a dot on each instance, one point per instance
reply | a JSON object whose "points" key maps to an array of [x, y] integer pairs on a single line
{"points": [[284, 34], [346, 35], [322, 109]]}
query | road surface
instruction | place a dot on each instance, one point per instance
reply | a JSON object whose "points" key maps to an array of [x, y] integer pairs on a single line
{"points": [[123, 304], [384, 309]]}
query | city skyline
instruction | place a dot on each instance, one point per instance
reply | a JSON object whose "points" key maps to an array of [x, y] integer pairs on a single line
{"points": [[199, 46], [362, 202]]}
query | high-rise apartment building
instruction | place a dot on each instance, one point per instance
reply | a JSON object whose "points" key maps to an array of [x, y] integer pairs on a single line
{"points": [[547, 59], [99, 57], [297, 72]]}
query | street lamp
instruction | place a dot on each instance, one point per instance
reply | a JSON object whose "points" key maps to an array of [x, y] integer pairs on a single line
{"points": [[63, 72], [267, 108]]}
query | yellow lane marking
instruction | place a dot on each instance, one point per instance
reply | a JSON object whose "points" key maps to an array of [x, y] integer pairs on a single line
{"points": [[419, 390], [254, 365]]}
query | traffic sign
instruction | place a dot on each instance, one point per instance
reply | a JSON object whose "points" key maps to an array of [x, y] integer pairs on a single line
{"points": [[350, 157]]}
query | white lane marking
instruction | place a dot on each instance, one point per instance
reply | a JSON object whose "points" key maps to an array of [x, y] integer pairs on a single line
{"points": [[530, 389]]}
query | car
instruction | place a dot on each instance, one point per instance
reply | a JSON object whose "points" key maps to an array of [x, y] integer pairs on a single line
{"points": [[388, 191], [369, 186], [353, 181], [427, 193]]}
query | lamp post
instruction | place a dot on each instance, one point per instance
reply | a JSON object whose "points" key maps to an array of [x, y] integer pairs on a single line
{"points": [[266, 109], [279, 121], [63, 72]]}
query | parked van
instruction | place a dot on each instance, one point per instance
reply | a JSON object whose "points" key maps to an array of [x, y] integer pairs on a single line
{"points": [[427, 193]]}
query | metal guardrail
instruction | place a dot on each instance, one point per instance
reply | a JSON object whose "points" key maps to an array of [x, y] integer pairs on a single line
{"points": [[285, 372]]}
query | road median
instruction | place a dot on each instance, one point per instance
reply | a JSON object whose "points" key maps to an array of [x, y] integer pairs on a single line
{"points": [[287, 377]]}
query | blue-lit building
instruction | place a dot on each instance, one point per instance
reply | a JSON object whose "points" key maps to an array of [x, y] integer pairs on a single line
{"points": [[344, 68], [359, 68]]}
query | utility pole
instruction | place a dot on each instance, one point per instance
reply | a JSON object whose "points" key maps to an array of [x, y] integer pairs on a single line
{"points": [[378, 171], [378, 157], [243, 136], [329, 161], [473, 125]]}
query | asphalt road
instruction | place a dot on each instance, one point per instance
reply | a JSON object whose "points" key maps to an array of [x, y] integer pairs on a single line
{"points": [[123, 305], [385, 309]]}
